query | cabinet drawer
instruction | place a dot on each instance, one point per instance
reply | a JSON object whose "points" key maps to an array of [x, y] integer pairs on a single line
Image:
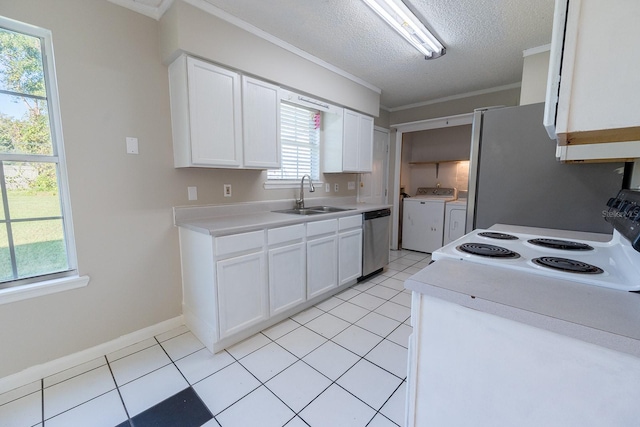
{"points": [[285, 234], [318, 228], [350, 222], [239, 242]]}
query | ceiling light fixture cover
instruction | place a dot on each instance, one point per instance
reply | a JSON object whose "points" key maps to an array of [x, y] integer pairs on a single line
{"points": [[400, 18]]}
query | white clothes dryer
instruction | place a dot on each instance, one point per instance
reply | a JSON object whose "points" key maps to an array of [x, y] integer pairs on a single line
{"points": [[455, 216]]}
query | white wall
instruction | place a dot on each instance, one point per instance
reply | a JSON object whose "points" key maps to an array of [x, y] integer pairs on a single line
{"points": [[113, 84]]}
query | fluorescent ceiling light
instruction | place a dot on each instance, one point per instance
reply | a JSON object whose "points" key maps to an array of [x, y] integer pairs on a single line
{"points": [[401, 19]]}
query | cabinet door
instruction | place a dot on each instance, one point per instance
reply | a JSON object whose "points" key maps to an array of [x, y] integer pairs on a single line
{"points": [[214, 114], [598, 100], [349, 256], [350, 140], [287, 277], [322, 265], [365, 144], [261, 124], [242, 292]]}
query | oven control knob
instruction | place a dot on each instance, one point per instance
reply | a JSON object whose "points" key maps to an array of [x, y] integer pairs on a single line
{"points": [[634, 213], [611, 202], [623, 206]]}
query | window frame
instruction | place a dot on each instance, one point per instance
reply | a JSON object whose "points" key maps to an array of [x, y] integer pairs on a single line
{"points": [[273, 183], [18, 289]]}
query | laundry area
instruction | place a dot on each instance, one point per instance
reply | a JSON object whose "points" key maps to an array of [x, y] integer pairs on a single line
{"points": [[434, 180]]}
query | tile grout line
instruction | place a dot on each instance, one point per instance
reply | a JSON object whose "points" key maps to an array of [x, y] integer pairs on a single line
{"points": [[303, 361], [126, 411], [173, 362], [42, 398], [385, 402], [341, 375], [81, 403]]}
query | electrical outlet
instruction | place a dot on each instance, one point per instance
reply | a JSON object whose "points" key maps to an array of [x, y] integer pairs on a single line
{"points": [[327, 187], [351, 185], [192, 192], [227, 190], [335, 187], [132, 145]]}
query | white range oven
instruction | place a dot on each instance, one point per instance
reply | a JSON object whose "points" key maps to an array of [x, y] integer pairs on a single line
{"points": [[614, 264], [528, 326]]}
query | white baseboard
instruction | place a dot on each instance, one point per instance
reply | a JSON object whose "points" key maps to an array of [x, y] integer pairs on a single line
{"points": [[38, 372]]}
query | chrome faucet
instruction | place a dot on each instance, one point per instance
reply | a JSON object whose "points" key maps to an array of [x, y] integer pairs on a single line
{"points": [[300, 201]]}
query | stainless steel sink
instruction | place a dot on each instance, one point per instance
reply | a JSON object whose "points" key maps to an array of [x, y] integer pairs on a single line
{"points": [[327, 209], [313, 210], [305, 211]]}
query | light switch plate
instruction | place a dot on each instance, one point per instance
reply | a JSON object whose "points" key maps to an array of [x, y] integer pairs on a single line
{"points": [[227, 190], [327, 187], [351, 185], [132, 145], [192, 192]]}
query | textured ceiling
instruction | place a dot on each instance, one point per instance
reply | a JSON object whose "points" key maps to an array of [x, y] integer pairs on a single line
{"points": [[484, 41]]}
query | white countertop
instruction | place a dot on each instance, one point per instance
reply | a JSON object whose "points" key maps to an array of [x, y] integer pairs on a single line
{"points": [[240, 218], [605, 317]]}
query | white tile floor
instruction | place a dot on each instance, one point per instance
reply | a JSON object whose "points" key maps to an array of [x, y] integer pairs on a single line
{"points": [[342, 362]]}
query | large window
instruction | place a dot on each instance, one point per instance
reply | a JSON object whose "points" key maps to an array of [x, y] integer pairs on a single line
{"points": [[35, 230], [300, 139]]}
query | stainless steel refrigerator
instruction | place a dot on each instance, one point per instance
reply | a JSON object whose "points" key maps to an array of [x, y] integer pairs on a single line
{"points": [[514, 177]]}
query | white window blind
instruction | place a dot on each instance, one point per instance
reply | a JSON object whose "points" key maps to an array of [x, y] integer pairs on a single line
{"points": [[300, 139]]}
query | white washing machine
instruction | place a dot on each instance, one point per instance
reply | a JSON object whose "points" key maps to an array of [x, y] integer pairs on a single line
{"points": [[423, 218], [455, 217]]}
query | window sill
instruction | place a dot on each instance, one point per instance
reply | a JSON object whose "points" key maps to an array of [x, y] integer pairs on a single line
{"points": [[284, 184], [46, 287]]}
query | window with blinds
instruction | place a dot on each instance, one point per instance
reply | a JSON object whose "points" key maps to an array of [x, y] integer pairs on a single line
{"points": [[300, 140]]}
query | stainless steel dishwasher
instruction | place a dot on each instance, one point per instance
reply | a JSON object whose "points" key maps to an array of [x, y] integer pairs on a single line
{"points": [[375, 242]]}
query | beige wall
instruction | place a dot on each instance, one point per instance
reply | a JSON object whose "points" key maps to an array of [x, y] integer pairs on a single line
{"points": [[534, 78], [440, 144], [508, 97], [421, 150], [383, 119], [113, 84], [188, 29]]}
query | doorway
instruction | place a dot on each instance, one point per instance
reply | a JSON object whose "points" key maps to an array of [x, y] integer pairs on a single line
{"points": [[396, 181]]}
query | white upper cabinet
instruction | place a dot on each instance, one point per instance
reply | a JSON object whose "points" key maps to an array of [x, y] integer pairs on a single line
{"points": [[599, 57], [205, 114], [348, 142], [221, 119], [261, 124]]}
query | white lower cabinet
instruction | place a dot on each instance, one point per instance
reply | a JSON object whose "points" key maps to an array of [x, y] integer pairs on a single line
{"points": [[287, 268], [322, 268], [243, 298], [322, 257], [236, 285], [350, 249]]}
